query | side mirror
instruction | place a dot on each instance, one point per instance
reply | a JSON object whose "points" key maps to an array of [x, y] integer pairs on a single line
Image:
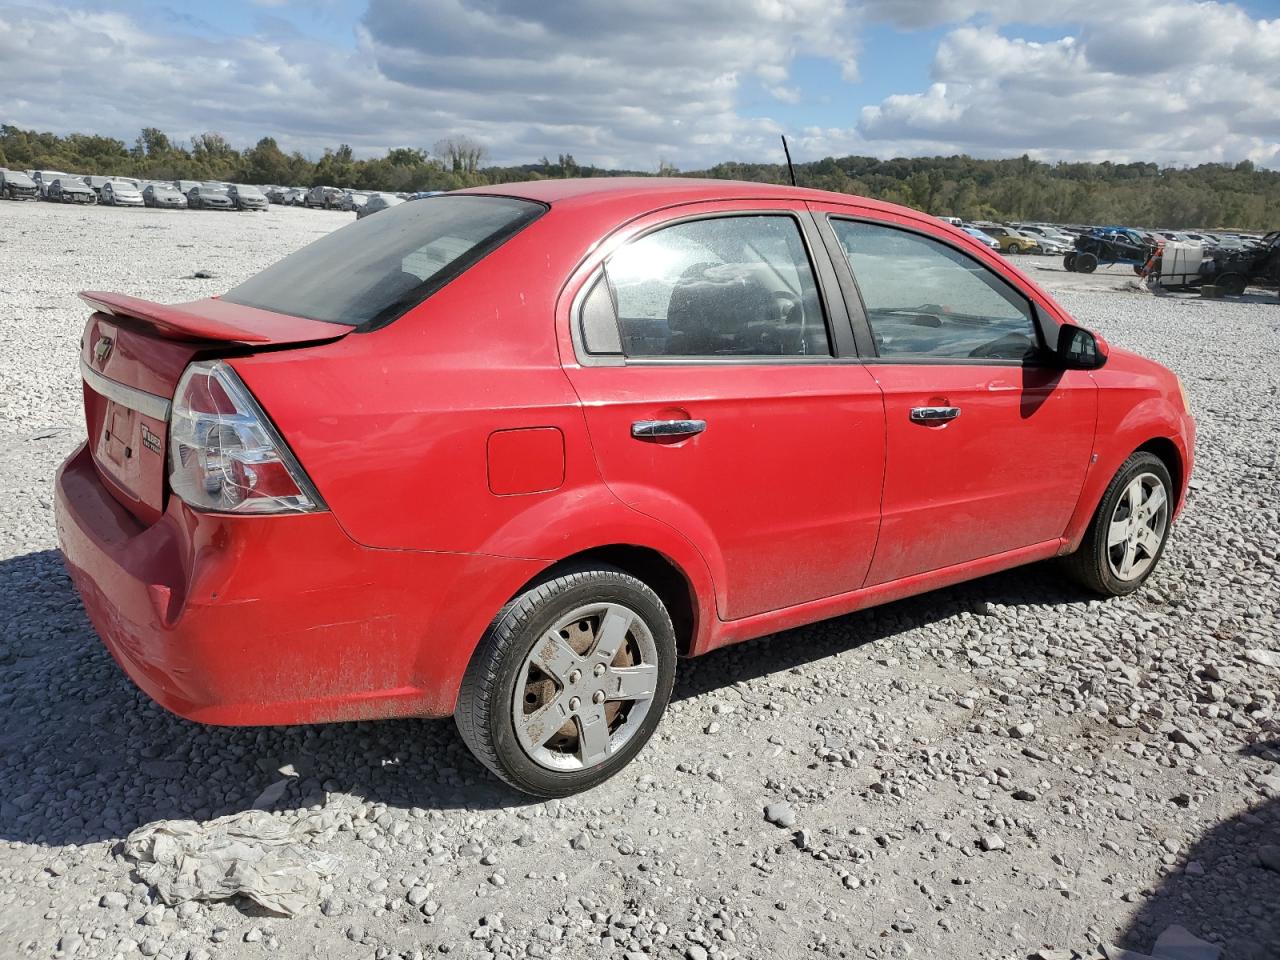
{"points": [[1078, 349]]}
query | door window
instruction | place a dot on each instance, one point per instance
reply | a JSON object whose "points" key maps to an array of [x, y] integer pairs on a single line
{"points": [[926, 299], [738, 286]]}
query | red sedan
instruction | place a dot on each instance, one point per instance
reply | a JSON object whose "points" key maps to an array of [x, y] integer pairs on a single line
{"points": [[505, 454]]}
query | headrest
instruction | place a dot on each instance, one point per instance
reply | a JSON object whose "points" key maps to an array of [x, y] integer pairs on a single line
{"points": [[722, 299]]}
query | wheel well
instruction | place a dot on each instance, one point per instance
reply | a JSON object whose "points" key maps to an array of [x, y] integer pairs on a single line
{"points": [[1164, 448], [661, 576]]}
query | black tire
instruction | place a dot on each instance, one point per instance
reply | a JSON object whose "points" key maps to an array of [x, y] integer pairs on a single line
{"points": [[1014, 250], [1090, 565], [1086, 263], [1230, 284], [484, 714], [1069, 262]]}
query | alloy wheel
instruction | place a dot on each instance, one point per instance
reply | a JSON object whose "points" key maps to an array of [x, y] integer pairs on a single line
{"points": [[1138, 526], [585, 687]]}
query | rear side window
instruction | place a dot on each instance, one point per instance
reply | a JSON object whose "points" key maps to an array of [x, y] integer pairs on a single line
{"points": [[376, 269], [738, 286], [925, 299]]}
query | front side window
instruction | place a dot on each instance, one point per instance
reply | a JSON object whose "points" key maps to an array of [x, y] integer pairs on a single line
{"points": [[372, 271], [735, 286], [925, 299]]}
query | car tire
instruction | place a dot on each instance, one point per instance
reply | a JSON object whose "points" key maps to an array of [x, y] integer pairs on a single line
{"points": [[1100, 562], [1069, 262], [1086, 263], [1230, 284], [542, 651], [1013, 250]]}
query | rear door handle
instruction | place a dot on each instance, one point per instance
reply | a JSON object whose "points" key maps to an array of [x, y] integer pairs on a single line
{"points": [[648, 429], [934, 414]]}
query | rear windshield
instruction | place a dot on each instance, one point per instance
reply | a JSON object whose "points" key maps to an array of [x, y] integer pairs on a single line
{"points": [[370, 272]]}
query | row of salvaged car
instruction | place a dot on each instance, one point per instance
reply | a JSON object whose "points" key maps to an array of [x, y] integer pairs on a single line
{"points": [[1054, 240], [363, 202], [57, 187]]}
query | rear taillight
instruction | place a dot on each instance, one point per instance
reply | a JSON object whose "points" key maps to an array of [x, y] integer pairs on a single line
{"points": [[224, 454]]}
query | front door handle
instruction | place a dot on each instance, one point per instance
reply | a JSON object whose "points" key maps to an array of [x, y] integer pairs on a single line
{"points": [[934, 414], [650, 429]]}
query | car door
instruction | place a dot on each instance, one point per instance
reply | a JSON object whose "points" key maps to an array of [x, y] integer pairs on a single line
{"points": [[988, 441], [723, 397]]}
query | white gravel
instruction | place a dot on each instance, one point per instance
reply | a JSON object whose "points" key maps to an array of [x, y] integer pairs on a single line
{"points": [[1139, 787]]}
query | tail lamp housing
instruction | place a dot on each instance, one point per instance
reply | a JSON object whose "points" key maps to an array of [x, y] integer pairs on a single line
{"points": [[224, 454]]}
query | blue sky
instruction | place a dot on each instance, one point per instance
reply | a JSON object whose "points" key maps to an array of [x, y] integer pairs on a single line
{"points": [[635, 82]]}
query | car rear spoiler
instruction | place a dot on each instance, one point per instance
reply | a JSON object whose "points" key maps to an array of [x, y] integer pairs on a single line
{"points": [[215, 320]]}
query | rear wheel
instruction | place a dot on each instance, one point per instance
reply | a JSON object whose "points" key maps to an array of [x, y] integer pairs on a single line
{"points": [[1128, 533], [569, 682], [1086, 263], [1230, 284]]}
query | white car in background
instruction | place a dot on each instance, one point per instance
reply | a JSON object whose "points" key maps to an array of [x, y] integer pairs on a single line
{"points": [[1052, 241], [119, 193]]}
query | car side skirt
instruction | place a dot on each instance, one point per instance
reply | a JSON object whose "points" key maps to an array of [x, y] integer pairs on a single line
{"points": [[736, 631]]}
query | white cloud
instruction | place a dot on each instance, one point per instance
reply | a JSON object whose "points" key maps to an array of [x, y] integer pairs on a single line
{"points": [[630, 82], [1198, 83]]}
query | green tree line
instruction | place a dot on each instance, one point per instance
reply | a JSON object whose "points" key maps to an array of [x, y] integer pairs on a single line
{"points": [[1238, 196]]}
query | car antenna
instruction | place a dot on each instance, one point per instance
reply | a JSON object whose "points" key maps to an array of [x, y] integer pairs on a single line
{"points": [[790, 169]]}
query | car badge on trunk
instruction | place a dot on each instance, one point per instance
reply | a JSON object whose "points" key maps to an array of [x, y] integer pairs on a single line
{"points": [[102, 350]]}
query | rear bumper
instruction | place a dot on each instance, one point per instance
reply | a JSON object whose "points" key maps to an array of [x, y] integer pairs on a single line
{"points": [[274, 620]]}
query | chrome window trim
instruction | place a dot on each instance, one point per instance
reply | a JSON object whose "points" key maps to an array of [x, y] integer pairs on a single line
{"points": [[147, 404]]}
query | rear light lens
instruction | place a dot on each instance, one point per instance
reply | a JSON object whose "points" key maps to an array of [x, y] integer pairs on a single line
{"points": [[224, 455]]}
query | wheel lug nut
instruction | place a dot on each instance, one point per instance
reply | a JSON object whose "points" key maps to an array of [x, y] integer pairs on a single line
{"points": [[598, 697], [600, 668], [574, 703], [575, 676]]}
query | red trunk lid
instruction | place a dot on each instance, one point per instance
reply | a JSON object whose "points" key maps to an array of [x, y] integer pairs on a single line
{"points": [[132, 355]]}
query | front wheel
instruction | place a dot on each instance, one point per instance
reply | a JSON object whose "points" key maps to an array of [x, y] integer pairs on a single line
{"points": [[1128, 533], [1069, 262], [569, 682]]}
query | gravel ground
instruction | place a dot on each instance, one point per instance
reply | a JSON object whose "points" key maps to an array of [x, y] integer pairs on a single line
{"points": [[1002, 769]]}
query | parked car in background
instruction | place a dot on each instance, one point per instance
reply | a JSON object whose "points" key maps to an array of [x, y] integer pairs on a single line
{"points": [[353, 200], [1011, 241], [208, 198], [546, 410], [43, 178], [245, 197], [983, 238], [68, 189], [121, 193], [1107, 246], [1234, 269], [1050, 239], [96, 183], [184, 187], [275, 194], [163, 195], [326, 197], [377, 203], [16, 185]]}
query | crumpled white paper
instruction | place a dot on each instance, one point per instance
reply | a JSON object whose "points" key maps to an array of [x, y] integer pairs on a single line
{"points": [[251, 854]]}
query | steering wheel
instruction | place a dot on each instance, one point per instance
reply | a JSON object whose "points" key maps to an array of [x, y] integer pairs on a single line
{"points": [[788, 303]]}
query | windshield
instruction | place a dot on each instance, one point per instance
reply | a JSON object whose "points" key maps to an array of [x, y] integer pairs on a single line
{"points": [[376, 269], [248, 191], [118, 186]]}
